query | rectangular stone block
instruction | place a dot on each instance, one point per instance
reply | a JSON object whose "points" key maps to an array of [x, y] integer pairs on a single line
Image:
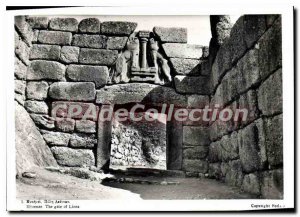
{"points": [[185, 66], [37, 90], [234, 174], [37, 107], [192, 85], [69, 54], [42, 69], [46, 52], [65, 125], [89, 41], [116, 43], [64, 24], [199, 166], [182, 50], [97, 56], [85, 126], [251, 184], [55, 37], [196, 153], [97, 74], [195, 136], [248, 102], [82, 140], [76, 91], [118, 28], [176, 35], [89, 25], [38, 22], [254, 28], [56, 138]]}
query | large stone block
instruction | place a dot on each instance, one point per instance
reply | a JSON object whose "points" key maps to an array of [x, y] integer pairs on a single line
{"points": [[56, 138], [20, 86], [199, 166], [270, 94], [195, 136], [272, 184], [55, 37], [77, 91], [43, 121], [140, 92], [248, 102], [73, 157], [64, 24], [42, 69], [192, 85], [97, 74], [38, 22], [220, 28], [24, 29], [251, 184], [89, 25], [214, 152], [85, 126], [65, 125], [37, 107], [69, 54], [118, 28], [197, 101], [229, 147], [22, 51], [254, 28], [89, 41], [37, 90], [185, 66], [116, 43], [234, 175], [183, 50], [82, 140], [97, 56], [177, 35], [47, 52], [199, 152], [20, 69]]}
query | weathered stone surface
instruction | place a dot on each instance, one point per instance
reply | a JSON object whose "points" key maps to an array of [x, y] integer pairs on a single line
{"points": [[31, 149], [55, 37], [47, 52], [20, 98], [20, 86], [64, 24], [73, 157], [24, 29], [65, 125], [177, 35], [195, 166], [251, 184], [118, 28], [37, 107], [22, 50], [89, 25], [192, 85], [97, 74], [195, 136], [37, 90], [78, 91], [197, 101], [43, 121], [86, 126], [183, 50], [229, 147], [220, 28], [69, 54], [89, 41], [42, 69], [270, 94], [20, 69], [97, 56], [38, 22], [81, 140], [139, 92], [199, 152], [254, 28], [56, 138], [249, 101], [184, 66], [272, 184], [234, 175], [35, 35], [116, 43], [214, 170]]}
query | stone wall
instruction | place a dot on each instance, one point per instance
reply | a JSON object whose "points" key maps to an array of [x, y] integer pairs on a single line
{"points": [[246, 73]]}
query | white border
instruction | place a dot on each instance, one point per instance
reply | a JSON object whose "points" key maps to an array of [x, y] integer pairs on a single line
{"points": [[176, 9]]}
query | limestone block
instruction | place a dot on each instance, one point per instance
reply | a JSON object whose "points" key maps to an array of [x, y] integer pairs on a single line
{"points": [[43, 121], [82, 140], [182, 50], [65, 125], [56, 138], [22, 50], [118, 28], [24, 29], [37, 90], [64, 24], [55, 37], [20, 69], [116, 43], [85, 126], [69, 54], [192, 85], [199, 152], [89, 25], [97, 56], [195, 166], [37, 107], [195, 136], [20, 86], [184, 66], [46, 52], [38, 22], [89, 41], [42, 69], [177, 35]]}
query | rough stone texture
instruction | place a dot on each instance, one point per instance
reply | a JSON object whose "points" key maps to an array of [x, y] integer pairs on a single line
{"points": [[65, 125], [64, 24], [22, 50], [139, 92], [191, 85], [116, 43], [251, 184], [73, 157], [42, 69], [89, 25], [195, 166], [197, 101], [97, 74], [31, 149], [78, 91], [271, 89], [97, 56], [234, 174], [20, 86], [43, 121], [184, 66], [118, 28], [86, 126], [20, 98], [199, 152], [35, 35], [220, 28], [214, 170], [177, 35], [249, 101], [182, 50], [55, 37], [81, 140], [20, 69], [38, 22], [24, 29], [69, 54], [272, 184], [56, 138], [37, 107], [37, 90], [254, 28], [195, 136], [89, 41], [47, 52]]}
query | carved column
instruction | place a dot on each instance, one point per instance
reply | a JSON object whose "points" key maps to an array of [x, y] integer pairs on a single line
{"points": [[144, 53]]}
